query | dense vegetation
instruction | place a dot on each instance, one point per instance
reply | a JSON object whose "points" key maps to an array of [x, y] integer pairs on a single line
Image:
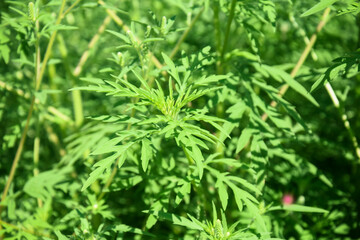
{"points": [[179, 119]]}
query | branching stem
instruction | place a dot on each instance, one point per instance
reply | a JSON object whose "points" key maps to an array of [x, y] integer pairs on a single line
{"points": [[302, 58]]}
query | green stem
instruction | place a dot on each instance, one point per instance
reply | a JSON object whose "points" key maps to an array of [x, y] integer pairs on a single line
{"points": [[191, 161], [217, 28], [17, 155], [185, 34], [70, 8], [110, 179], [78, 107], [49, 48], [220, 63], [37, 138], [36, 154], [227, 33]]}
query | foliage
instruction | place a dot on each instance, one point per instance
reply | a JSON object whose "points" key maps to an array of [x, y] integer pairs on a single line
{"points": [[169, 120]]}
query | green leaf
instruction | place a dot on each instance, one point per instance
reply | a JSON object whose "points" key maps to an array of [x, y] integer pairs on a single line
{"points": [[177, 220], [106, 163], [254, 210], [109, 146], [19, 12], [223, 195], [318, 7], [320, 81], [141, 79], [60, 236], [93, 80], [43, 185], [196, 155], [5, 53], [300, 89], [146, 153], [244, 139], [153, 40], [245, 184], [214, 213], [94, 175], [173, 70], [205, 81], [119, 35], [183, 191], [125, 228], [298, 208], [200, 224], [241, 194], [276, 72]]}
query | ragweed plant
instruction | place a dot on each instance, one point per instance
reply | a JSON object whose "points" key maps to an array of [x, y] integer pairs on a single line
{"points": [[144, 120]]}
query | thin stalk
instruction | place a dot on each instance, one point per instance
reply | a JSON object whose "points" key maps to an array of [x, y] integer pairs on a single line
{"points": [[49, 48], [110, 179], [37, 138], [76, 94], [60, 115], [78, 107], [54, 139], [17, 155], [302, 58], [36, 158], [185, 34], [37, 49], [38, 79], [333, 96], [217, 28], [52, 82], [227, 33], [344, 118], [70, 8], [219, 64], [93, 41]]}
